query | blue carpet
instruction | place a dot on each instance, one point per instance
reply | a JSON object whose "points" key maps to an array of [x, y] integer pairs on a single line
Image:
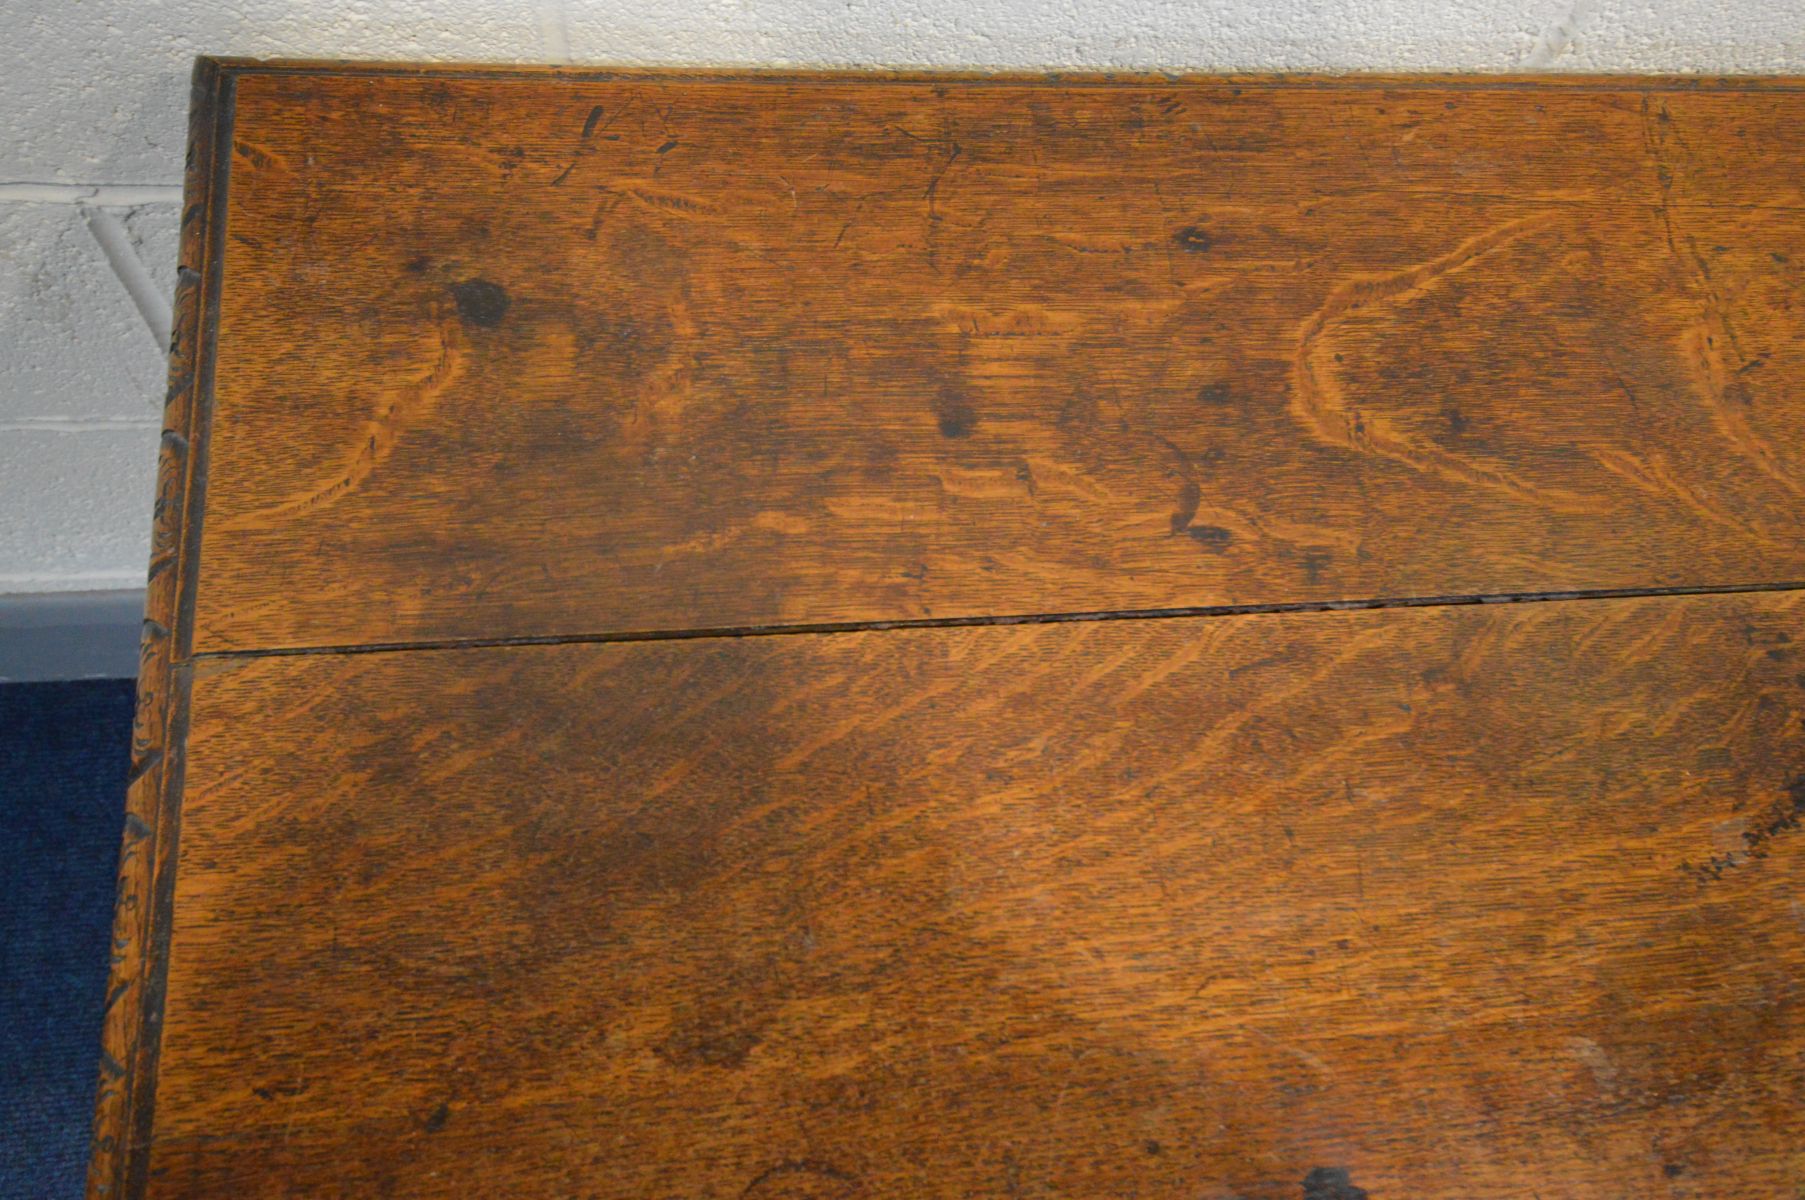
{"points": [[64, 750]]}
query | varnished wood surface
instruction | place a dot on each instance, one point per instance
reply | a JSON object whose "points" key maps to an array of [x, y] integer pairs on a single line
{"points": [[508, 355], [1495, 901], [1426, 901]]}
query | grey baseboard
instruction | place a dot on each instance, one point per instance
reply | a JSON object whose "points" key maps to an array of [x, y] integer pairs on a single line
{"points": [[70, 635]]}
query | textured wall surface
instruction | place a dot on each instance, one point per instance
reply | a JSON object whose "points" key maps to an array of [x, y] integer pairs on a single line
{"points": [[94, 94]]}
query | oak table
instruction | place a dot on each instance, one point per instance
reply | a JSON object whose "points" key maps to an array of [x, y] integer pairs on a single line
{"points": [[774, 636]]}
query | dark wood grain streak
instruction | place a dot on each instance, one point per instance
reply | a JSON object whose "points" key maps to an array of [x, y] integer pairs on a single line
{"points": [[133, 1008], [644, 354], [1485, 901]]}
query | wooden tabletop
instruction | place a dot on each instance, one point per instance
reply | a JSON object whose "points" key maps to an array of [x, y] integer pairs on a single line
{"points": [[843, 636]]}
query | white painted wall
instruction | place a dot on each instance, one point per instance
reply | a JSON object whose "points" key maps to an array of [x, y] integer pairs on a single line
{"points": [[94, 94]]}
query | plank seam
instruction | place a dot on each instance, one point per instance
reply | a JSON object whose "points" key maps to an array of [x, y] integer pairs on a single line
{"points": [[1055, 618]]}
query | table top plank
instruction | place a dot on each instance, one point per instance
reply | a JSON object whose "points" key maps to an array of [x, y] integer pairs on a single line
{"points": [[530, 356], [1466, 901]]}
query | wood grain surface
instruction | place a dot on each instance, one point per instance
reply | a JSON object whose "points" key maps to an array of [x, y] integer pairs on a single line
{"points": [[1437, 900], [509, 355], [1486, 901]]}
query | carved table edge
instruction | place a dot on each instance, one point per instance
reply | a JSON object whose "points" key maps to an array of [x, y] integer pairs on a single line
{"points": [[132, 1015]]}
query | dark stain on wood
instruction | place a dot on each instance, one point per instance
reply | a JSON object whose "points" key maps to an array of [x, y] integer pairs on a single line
{"points": [[954, 414], [692, 1048], [1189, 496], [1194, 239], [1782, 816], [480, 302], [1211, 537], [1331, 1183]]}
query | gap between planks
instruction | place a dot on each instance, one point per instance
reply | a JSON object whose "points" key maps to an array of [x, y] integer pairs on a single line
{"points": [[1060, 618]]}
